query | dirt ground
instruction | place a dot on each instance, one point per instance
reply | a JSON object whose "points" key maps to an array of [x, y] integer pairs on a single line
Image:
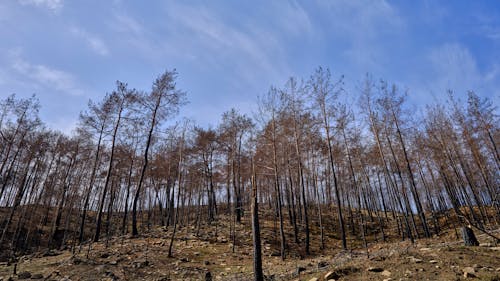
{"points": [[210, 257]]}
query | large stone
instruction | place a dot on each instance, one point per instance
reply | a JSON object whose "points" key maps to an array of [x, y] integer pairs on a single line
{"points": [[331, 275], [322, 264], [299, 270], [24, 275], [469, 272], [37, 276], [386, 273], [416, 260], [375, 269]]}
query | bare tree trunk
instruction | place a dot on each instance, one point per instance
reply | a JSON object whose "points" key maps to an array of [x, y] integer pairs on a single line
{"points": [[109, 173], [135, 232], [179, 184], [257, 250], [469, 237], [91, 184]]}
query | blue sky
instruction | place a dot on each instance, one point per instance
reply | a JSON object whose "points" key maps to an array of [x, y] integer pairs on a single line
{"points": [[229, 52]]}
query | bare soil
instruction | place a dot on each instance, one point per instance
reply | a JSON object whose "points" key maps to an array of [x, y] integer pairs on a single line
{"points": [[211, 254]]}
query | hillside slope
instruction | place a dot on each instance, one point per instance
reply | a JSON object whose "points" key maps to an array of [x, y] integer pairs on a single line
{"points": [[210, 255]]}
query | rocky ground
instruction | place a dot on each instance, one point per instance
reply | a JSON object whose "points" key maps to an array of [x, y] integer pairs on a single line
{"points": [[210, 257]]}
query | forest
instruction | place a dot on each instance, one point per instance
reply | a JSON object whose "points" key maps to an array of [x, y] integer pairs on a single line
{"points": [[315, 159]]}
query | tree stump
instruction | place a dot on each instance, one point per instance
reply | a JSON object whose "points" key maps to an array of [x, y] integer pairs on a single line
{"points": [[469, 237], [208, 276]]}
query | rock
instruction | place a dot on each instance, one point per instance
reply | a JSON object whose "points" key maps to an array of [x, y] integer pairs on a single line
{"points": [[37, 276], [386, 273], [270, 277], [469, 269], [24, 275], [416, 260], [425, 249], [387, 279], [469, 272], [497, 270], [76, 260], [300, 269], [141, 264], [378, 258], [375, 269], [113, 262], [330, 276], [433, 261], [469, 275], [322, 264], [51, 253], [313, 279]]}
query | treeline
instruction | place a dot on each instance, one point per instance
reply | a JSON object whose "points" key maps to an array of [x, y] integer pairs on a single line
{"points": [[131, 163]]}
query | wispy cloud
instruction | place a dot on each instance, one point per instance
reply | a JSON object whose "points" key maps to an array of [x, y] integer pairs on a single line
{"points": [[52, 5], [294, 19], [94, 42], [454, 67], [43, 75], [365, 27], [250, 51], [125, 23], [492, 32]]}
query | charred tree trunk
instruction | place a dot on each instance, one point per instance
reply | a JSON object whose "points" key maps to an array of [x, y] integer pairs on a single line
{"points": [[469, 237], [257, 248]]}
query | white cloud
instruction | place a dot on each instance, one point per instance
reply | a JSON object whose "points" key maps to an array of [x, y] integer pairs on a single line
{"points": [[53, 5], [492, 32], [94, 42], [125, 23], [363, 18], [42, 75], [66, 124], [453, 67], [251, 51], [366, 26]]}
